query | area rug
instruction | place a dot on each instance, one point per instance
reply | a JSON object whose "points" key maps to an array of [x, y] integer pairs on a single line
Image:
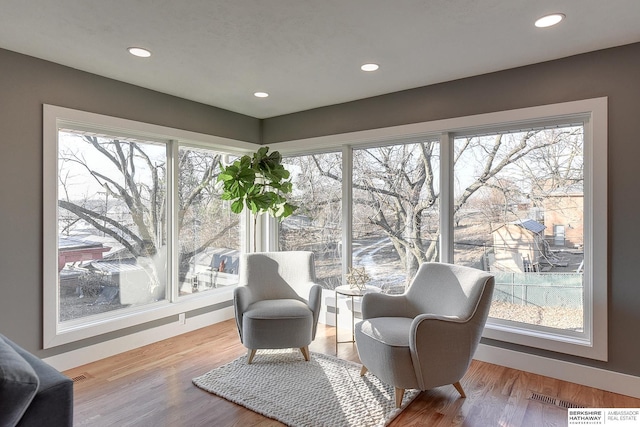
{"points": [[326, 391]]}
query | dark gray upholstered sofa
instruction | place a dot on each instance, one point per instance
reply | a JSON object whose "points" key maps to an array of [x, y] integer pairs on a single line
{"points": [[32, 393]]}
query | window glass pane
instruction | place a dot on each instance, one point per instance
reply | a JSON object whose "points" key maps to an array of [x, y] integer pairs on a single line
{"points": [[396, 222], [209, 233], [316, 225], [112, 223], [519, 205]]}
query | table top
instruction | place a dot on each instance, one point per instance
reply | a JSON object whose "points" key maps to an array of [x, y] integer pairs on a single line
{"points": [[355, 292]]}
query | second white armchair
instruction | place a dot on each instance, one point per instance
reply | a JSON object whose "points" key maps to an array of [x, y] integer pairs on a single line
{"points": [[426, 337]]}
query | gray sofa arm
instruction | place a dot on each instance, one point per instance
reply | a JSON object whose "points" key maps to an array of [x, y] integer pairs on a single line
{"points": [[52, 402]]}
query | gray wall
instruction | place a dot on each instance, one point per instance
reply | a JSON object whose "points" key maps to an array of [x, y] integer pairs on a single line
{"points": [[614, 73], [25, 84]]}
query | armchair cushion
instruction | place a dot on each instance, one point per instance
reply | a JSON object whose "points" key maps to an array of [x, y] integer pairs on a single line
{"points": [[393, 331], [277, 308]]}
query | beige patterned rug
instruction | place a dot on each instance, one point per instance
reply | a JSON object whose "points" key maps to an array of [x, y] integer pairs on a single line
{"points": [[325, 391]]}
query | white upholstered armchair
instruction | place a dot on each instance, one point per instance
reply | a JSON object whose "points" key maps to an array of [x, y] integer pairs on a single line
{"points": [[277, 302], [426, 337]]}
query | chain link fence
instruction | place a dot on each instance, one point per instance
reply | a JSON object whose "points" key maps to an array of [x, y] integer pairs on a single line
{"points": [[540, 289]]}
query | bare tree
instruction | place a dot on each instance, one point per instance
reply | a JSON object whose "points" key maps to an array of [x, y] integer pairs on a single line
{"points": [[131, 174], [317, 224], [396, 190], [396, 185]]}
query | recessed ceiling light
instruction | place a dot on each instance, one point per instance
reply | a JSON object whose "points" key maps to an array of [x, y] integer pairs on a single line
{"points": [[261, 94], [369, 67], [138, 51], [549, 20]]}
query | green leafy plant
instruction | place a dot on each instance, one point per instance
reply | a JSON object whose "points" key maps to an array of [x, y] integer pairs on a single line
{"points": [[260, 183]]}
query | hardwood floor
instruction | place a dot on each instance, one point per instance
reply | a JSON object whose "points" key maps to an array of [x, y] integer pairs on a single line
{"points": [[151, 386]]}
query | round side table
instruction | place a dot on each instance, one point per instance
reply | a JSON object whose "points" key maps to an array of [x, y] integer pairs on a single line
{"points": [[348, 291]]}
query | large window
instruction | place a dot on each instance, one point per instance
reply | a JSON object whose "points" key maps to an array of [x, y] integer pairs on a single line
{"points": [[513, 191], [519, 193], [135, 228], [317, 224], [112, 213], [209, 233]]}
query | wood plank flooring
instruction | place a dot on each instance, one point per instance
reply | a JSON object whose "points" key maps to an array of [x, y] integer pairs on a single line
{"points": [[151, 386]]}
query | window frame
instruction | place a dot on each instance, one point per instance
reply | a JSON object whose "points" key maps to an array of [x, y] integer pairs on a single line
{"points": [[57, 333], [592, 343]]}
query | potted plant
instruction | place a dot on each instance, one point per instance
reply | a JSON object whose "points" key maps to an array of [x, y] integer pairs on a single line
{"points": [[260, 182]]}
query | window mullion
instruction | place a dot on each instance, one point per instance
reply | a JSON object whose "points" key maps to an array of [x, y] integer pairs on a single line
{"points": [[446, 197], [172, 216], [347, 210]]}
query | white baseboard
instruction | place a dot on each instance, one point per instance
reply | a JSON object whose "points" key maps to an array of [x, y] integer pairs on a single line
{"points": [[82, 356], [566, 371]]}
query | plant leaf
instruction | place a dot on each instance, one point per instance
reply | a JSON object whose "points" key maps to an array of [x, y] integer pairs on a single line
{"points": [[237, 206]]}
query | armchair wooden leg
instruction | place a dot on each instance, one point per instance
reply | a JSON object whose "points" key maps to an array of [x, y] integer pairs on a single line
{"points": [[399, 395], [305, 353], [458, 387], [363, 371], [252, 352]]}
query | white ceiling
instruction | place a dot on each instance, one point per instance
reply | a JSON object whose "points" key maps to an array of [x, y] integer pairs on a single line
{"points": [[305, 53]]}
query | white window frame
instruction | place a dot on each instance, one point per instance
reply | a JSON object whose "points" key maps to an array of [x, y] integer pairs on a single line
{"points": [[592, 343], [57, 333]]}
